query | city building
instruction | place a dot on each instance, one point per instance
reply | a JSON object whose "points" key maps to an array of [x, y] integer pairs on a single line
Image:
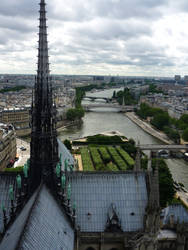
{"points": [[7, 145], [177, 78], [51, 206], [186, 78], [19, 118]]}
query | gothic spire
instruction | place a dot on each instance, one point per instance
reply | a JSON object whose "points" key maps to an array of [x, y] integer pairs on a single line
{"points": [[44, 146], [43, 63], [43, 79]]}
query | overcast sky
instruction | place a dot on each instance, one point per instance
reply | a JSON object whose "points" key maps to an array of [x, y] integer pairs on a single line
{"points": [[103, 37]]}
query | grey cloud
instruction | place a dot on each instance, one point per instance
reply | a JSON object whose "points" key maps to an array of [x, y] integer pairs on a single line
{"points": [[147, 53], [140, 52], [109, 32], [16, 24], [111, 29], [82, 10], [24, 8], [177, 6], [126, 9]]}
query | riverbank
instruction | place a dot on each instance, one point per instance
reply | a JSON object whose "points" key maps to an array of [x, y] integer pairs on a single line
{"points": [[183, 196], [68, 124], [148, 128]]}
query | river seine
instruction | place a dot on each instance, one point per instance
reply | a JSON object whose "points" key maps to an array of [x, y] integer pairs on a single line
{"points": [[108, 119]]}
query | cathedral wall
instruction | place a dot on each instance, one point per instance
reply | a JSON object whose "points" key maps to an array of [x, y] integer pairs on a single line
{"points": [[103, 241], [167, 245], [102, 246]]}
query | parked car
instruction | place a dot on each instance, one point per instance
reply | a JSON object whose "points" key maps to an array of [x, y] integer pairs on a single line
{"points": [[23, 148]]}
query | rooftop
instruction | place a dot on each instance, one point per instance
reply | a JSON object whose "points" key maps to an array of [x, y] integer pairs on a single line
{"points": [[94, 193], [41, 225], [5, 181], [177, 211], [5, 129]]}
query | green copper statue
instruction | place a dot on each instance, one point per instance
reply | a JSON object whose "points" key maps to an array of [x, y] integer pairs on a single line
{"points": [[69, 165], [28, 162], [58, 170], [25, 170], [74, 206], [63, 181], [60, 160], [11, 195], [66, 165], [3, 207], [69, 192], [19, 181]]}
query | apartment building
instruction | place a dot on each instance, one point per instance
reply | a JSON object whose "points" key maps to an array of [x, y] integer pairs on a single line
{"points": [[7, 145], [19, 118]]}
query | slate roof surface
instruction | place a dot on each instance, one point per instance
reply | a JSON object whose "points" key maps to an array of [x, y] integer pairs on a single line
{"points": [[65, 154], [178, 211], [5, 181], [46, 226], [13, 234], [94, 193]]}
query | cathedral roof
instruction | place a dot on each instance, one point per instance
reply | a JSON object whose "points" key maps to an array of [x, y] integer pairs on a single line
{"points": [[178, 212], [94, 193], [6, 179], [66, 155], [41, 225]]}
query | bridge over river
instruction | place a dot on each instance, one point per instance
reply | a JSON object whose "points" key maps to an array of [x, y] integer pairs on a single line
{"points": [[121, 108], [171, 147], [94, 98]]}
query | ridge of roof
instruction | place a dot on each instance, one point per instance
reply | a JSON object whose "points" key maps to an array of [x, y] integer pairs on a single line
{"points": [[106, 173], [48, 225], [14, 236], [14, 233], [37, 192]]}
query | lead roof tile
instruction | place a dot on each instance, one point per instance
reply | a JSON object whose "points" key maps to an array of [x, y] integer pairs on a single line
{"points": [[41, 225], [48, 227], [65, 154], [6, 179], [94, 193], [178, 212]]}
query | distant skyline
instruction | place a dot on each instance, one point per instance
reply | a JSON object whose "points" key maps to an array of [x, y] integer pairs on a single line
{"points": [[98, 37]]}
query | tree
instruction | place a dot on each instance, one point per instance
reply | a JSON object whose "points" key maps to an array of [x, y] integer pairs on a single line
{"points": [[172, 134], [166, 188], [184, 118], [145, 110], [126, 95], [80, 113], [130, 149], [181, 124], [68, 144], [114, 94], [132, 141], [185, 134], [160, 120], [73, 114]]}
